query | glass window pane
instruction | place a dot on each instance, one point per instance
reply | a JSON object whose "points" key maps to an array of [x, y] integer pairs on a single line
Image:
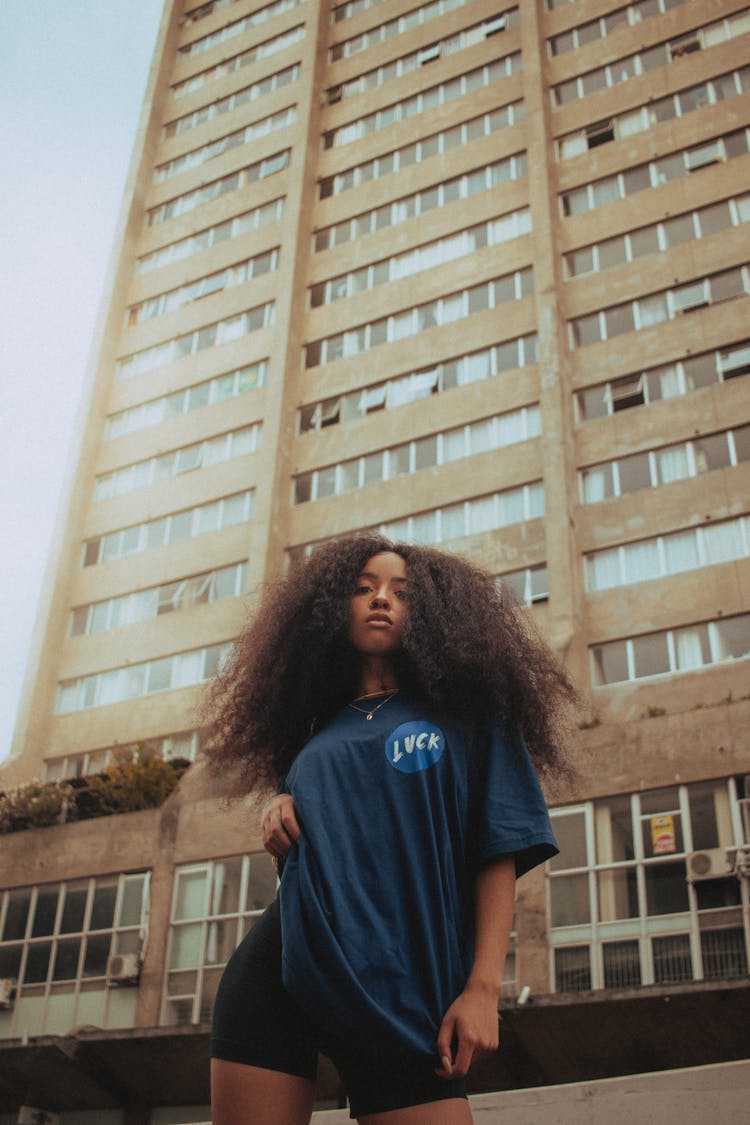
{"points": [[262, 882], [569, 900], [10, 961], [733, 636], [190, 901], [570, 833], [634, 472], [186, 951], [672, 960], [74, 908], [227, 885], [618, 894], [37, 962], [45, 911], [16, 915], [650, 654], [614, 830], [103, 908], [131, 901], [610, 662], [66, 959], [573, 969], [97, 953], [708, 801], [622, 964], [666, 888]]}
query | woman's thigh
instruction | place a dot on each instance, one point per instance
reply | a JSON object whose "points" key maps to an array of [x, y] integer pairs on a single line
{"points": [[252, 1095], [451, 1111]]}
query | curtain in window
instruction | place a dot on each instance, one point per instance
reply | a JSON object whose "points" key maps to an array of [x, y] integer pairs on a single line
{"points": [[669, 382], [603, 570], [642, 562], [689, 649], [673, 464], [681, 552], [594, 485], [722, 542]]}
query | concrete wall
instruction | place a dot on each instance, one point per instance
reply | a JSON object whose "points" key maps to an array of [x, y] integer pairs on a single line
{"points": [[717, 1094]]}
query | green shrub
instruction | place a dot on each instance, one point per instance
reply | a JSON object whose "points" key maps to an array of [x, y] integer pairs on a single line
{"points": [[136, 780], [36, 805]]}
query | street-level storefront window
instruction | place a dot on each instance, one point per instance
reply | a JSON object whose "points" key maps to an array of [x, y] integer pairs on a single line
{"points": [[645, 889], [214, 904], [70, 954]]}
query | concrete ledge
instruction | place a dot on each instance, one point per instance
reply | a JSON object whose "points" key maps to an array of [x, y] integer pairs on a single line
{"points": [[693, 1096]]}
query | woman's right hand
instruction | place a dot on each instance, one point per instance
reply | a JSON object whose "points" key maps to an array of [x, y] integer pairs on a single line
{"points": [[279, 825]]}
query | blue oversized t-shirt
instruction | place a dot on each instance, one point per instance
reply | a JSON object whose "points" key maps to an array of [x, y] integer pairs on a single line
{"points": [[377, 898]]}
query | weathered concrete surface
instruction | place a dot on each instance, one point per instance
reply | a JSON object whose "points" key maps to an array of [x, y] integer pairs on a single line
{"points": [[694, 1096]]}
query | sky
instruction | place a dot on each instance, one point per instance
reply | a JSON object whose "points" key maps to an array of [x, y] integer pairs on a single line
{"points": [[72, 79]]}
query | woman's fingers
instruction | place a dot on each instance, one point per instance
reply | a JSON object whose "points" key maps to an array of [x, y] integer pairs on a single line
{"points": [[279, 825]]}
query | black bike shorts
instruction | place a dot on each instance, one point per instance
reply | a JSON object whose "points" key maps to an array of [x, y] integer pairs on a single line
{"points": [[256, 1022]]}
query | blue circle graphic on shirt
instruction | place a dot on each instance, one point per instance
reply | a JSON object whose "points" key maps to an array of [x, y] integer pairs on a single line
{"points": [[414, 746]]}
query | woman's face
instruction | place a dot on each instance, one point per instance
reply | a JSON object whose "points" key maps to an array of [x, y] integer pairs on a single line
{"points": [[378, 606]]}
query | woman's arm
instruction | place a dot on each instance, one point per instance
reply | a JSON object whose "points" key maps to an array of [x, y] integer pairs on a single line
{"points": [[471, 1024], [278, 823]]}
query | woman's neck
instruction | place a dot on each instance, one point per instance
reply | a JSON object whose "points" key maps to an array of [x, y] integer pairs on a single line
{"points": [[376, 676]]}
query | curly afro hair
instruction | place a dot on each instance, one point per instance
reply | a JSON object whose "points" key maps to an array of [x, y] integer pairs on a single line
{"points": [[466, 650]]}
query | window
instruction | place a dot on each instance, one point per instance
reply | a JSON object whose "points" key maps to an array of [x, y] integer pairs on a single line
{"points": [[184, 669], [642, 118], [225, 447], [407, 323], [237, 27], [421, 258], [233, 101], [527, 586], [222, 332], [212, 391], [461, 187], [437, 449], [668, 554], [665, 382], [657, 307], [423, 102], [143, 605], [414, 18], [662, 466], [402, 390], [215, 515], [234, 181], [250, 133], [181, 744], [623, 909], [56, 941], [679, 650], [214, 905]]}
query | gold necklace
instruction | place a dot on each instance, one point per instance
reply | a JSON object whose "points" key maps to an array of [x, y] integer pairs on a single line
{"points": [[369, 714]]}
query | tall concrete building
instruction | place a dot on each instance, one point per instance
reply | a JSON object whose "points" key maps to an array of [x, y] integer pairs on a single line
{"points": [[474, 274]]}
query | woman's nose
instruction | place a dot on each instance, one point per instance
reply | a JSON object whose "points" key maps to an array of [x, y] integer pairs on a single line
{"points": [[380, 598]]}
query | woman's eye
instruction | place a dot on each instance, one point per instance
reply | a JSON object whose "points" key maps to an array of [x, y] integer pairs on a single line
{"points": [[402, 595]]}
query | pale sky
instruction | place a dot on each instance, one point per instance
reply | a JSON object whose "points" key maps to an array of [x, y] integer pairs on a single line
{"points": [[72, 78]]}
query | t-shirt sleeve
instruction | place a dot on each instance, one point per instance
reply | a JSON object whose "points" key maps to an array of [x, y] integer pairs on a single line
{"points": [[511, 809]]}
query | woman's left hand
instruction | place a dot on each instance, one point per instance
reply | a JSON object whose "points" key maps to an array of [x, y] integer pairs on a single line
{"points": [[471, 1024]]}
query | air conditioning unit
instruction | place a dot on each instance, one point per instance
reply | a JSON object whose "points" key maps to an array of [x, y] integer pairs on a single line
{"points": [[29, 1115], [710, 864], [123, 968], [7, 993]]}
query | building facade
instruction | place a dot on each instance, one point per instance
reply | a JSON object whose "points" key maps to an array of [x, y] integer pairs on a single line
{"points": [[476, 275]]}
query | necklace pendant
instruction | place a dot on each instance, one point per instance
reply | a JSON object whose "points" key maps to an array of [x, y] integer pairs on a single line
{"points": [[368, 717]]}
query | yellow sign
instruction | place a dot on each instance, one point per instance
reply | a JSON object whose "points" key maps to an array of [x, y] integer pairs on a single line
{"points": [[662, 835]]}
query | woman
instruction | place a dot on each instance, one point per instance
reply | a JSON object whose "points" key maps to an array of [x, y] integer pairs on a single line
{"points": [[389, 693]]}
